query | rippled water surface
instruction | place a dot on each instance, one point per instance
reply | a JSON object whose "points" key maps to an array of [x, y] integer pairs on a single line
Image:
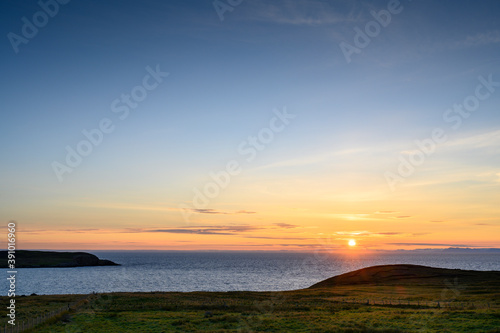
{"points": [[223, 271]]}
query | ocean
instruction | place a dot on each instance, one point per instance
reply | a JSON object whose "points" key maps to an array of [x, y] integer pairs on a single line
{"points": [[224, 271]]}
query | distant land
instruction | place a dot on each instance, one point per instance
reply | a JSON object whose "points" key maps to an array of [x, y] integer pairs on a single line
{"points": [[452, 250], [40, 259]]}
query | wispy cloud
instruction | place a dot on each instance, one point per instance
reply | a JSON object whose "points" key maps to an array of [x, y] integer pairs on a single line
{"points": [[431, 244], [479, 39], [473, 40], [302, 12], [286, 225], [213, 211], [312, 159], [376, 234], [367, 233], [208, 230], [488, 139], [372, 216], [354, 217], [281, 238], [76, 230], [470, 155], [207, 211], [200, 230], [222, 230]]}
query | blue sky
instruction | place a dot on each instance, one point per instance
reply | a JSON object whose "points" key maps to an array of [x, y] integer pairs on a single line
{"points": [[353, 120]]}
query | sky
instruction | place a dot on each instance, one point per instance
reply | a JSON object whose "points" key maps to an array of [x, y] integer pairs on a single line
{"points": [[250, 125]]}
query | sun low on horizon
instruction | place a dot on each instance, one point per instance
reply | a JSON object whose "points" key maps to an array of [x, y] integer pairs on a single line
{"points": [[300, 126]]}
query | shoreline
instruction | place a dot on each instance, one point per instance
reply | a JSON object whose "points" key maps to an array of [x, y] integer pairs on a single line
{"points": [[53, 259]]}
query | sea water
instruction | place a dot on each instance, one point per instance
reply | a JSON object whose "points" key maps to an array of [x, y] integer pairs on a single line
{"points": [[224, 271]]}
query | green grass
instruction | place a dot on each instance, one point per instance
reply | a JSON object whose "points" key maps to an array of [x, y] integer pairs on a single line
{"points": [[402, 306], [291, 311]]}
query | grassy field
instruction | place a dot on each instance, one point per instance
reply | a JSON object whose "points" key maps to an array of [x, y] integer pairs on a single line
{"points": [[433, 306]]}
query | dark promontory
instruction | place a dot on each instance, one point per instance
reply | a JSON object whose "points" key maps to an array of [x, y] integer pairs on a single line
{"points": [[410, 275], [37, 259]]}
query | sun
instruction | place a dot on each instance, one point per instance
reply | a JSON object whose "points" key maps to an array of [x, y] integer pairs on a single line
{"points": [[352, 242]]}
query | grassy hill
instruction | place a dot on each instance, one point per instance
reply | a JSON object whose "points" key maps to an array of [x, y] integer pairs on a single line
{"points": [[409, 275]]}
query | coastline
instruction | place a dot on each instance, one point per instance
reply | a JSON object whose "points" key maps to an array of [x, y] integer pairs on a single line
{"points": [[373, 306], [54, 259]]}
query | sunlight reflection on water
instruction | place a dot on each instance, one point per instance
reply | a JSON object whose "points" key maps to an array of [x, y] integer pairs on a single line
{"points": [[223, 271]]}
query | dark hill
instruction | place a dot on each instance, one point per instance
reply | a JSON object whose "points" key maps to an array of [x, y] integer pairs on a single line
{"points": [[409, 274], [36, 259]]}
